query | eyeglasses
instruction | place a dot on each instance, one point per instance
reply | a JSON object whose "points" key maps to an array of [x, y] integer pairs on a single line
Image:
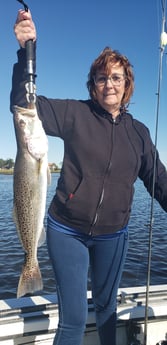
{"points": [[116, 79]]}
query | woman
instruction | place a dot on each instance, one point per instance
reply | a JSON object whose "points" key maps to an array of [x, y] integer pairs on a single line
{"points": [[105, 150]]}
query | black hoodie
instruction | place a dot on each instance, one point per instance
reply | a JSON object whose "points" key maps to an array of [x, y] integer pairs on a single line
{"points": [[102, 160]]}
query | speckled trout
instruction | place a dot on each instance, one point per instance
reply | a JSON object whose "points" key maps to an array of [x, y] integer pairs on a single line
{"points": [[31, 176]]}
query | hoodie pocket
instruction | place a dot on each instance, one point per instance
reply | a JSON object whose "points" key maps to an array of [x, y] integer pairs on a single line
{"points": [[80, 202]]}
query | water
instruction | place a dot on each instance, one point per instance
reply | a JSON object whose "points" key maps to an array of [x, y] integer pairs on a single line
{"points": [[135, 270]]}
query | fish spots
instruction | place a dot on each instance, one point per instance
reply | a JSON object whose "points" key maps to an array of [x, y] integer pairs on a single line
{"points": [[30, 188]]}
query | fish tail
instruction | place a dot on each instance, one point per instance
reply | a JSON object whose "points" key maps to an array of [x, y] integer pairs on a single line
{"points": [[30, 281]]}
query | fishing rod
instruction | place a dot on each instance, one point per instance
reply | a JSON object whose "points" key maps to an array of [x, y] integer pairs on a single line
{"points": [[163, 43], [30, 58]]}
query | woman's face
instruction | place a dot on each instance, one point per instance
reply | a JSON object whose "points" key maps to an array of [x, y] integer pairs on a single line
{"points": [[110, 88]]}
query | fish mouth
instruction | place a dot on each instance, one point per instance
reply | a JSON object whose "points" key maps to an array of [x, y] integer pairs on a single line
{"points": [[23, 111]]}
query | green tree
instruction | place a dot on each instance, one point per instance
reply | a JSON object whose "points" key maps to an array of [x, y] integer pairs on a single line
{"points": [[9, 163], [6, 163]]}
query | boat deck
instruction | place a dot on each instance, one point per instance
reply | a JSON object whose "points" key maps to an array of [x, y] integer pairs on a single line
{"points": [[33, 320]]}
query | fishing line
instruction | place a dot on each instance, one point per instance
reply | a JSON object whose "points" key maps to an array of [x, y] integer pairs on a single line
{"points": [[163, 5], [163, 43], [23, 3]]}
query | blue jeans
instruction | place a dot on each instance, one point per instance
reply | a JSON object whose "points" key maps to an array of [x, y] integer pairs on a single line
{"points": [[71, 257]]}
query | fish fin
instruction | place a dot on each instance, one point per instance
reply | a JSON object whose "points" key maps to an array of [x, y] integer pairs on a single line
{"points": [[42, 237], [35, 148], [30, 281]]}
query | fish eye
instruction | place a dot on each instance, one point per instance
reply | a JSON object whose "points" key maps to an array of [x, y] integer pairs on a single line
{"points": [[22, 123]]}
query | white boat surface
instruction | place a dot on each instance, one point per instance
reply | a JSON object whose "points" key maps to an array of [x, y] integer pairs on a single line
{"points": [[33, 320]]}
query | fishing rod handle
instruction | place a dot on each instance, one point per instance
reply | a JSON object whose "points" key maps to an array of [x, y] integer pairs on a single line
{"points": [[30, 56], [30, 59]]}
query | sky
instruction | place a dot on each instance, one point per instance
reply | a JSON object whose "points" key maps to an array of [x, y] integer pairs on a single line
{"points": [[70, 35]]}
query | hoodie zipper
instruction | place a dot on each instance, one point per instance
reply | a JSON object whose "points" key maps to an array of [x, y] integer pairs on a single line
{"points": [[106, 173]]}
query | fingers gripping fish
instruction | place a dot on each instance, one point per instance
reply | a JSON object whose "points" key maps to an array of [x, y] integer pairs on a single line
{"points": [[31, 176]]}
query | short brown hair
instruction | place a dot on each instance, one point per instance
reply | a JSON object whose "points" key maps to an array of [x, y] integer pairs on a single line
{"points": [[103, 62]]}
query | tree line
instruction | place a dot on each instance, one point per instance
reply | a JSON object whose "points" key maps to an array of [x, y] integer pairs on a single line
{"points": [[6, 163], [9, 164]]}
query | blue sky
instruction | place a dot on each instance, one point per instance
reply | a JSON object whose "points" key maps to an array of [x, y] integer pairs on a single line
{"points": [[70, 36]]}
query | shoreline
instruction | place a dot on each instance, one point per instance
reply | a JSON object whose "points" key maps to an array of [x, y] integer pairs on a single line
{"points": [[11, 171], [6, 171]]}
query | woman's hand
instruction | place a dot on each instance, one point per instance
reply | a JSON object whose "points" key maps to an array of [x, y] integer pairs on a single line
{"points": [[24, 28]]}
